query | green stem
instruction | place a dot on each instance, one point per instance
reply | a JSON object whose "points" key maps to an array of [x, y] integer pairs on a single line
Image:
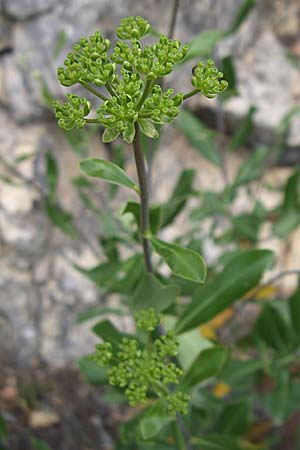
{"points": [[110, 89], [147, 89], [173, 19], [93, 91], [190, 94], [179, 438], [144, 196], [92, 121]]}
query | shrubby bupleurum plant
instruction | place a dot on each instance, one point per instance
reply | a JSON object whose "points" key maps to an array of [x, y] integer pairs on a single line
{"points": [[162, 368]]}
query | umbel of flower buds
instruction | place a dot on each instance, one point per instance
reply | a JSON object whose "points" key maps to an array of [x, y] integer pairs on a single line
{"points": [[125, 81], [139, 370]]}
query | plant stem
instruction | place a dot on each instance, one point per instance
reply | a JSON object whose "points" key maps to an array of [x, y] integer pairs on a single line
{"points": [[190, 94], [142, 176], [92, 121], [173, 18], [93, 91], [110, 89], [179, 437]]}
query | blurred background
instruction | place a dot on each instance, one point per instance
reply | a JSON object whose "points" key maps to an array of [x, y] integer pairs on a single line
{"points": [[43, 295]]}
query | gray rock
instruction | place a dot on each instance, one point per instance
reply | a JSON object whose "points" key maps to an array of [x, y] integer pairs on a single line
{"points": [[22, 9]]}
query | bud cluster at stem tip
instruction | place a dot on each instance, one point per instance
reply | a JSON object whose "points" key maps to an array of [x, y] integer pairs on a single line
{"points": [[130, 75], [139, 370]]}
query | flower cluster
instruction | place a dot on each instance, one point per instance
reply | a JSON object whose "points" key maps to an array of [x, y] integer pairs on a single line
{"points": [[207, 79], [147, 319], [143, 370], [160, 107], [89, 63], [133, 28], [135, 98], [72, 113]]}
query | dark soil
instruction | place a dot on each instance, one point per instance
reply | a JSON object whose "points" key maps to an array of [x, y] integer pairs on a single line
{"points": [[55, 409]]}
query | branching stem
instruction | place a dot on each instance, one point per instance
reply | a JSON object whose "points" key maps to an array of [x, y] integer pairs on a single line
{"points": [[93, 91], [190, 94], [144, 196]]}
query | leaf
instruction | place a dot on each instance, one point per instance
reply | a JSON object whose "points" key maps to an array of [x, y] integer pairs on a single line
{"points": [[243, 131], [93, 373], [150, 293], [242, 273], [246, 226], [108, 171], [183, 262], [51, 174], [228, 69], [97, 311], [199, 136], [154, 420], [272, 329], [129, 133], [110, 134], [253, 167], [108, 332], [235, 418], [62, 219], [241, 16], [177, 201], [207, 365], [155, 214], [294, 307], [203, 44], [148, 128], [292, 192], [3, 429], [286, 223], [190, 344], [223, 442], [38, 444]]}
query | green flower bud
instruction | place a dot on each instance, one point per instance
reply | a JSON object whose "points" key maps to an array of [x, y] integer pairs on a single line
{"points": [[133, 28], [208, 79], [178, 403], [147, 319], [72, 113], [103, 354]]}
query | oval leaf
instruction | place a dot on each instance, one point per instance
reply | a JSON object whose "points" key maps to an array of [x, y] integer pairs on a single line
{"points": [[199, 136], [183, 262], [154, 420], [108, 171], [150, 293], [240, 275], [208, 364]]}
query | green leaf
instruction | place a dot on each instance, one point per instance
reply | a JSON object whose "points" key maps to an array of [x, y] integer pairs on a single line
{"points": [[93, 373], [253, 167], [272, 329], [228, 69], [243, 132], [51, 174], [203, 44], [286, 223], [236, 372], [38, 444], [97, 311], [62, 219], [148, 128], [199, 136], [292, 192], [246, 226], [155, 215], [183, 262], [183, 189], [223, 442], [235, 418], [150, 293], [154, 420], [108, 332], [108, 171], [240, 275], [3, 429], [241, 16], [190, 344], [294, 307], [208, 364], [110, 134], [129, 133]]}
